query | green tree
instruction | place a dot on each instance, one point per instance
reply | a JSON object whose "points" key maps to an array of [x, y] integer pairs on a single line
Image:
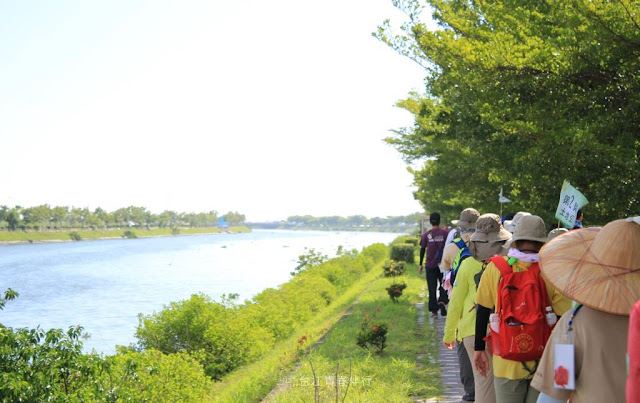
{"points": [[234, 218], [59, 217], [13, 219], [521, 95]]}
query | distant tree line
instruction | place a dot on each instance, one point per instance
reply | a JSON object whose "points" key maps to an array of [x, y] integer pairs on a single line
{"points": [[44, 217], [355, 221]]}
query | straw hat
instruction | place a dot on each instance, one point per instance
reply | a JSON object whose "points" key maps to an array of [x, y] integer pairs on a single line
{"points": [[529, 228], [468, 218], [510, 225], [597, 267]]}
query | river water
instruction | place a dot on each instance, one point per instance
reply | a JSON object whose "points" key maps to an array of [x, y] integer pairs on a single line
{"points": [[103, 285]]}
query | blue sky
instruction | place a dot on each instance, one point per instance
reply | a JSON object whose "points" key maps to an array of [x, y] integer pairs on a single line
{"points": [[271, 108]]}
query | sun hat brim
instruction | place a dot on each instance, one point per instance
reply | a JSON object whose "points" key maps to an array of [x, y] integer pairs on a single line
{"points": [[466, 224], [502, 235], [510, 242], [569, 263]]}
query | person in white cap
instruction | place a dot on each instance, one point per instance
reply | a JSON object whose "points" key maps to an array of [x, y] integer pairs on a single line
{"points": [[510, 225], [600, 269]]}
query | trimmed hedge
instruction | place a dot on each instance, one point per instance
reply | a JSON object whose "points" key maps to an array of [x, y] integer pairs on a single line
{"points": [[402, 253]]}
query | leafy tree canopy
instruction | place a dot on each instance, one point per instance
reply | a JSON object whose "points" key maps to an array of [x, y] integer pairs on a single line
{"points": [[521, 95]]}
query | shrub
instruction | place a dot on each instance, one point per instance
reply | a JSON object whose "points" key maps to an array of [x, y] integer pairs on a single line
{"points": [[392, 268], [372, 334], [151, 376], [377, 252], [75, 236], [175, 231], [412, 241], [129, 234], [395, 291], [207, 330], [402, 252]]}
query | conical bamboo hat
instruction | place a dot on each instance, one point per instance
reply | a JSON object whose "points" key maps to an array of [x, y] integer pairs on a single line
{"points": [[597, 267]]}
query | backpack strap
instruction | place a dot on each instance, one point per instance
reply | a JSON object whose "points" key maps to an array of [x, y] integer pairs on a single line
{"points": [[502, 265]]}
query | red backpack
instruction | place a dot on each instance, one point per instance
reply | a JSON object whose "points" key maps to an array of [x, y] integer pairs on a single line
{"points": [[522, 299]]}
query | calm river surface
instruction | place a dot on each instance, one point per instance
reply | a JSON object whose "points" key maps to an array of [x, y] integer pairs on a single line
{"points": [[103, 285]]}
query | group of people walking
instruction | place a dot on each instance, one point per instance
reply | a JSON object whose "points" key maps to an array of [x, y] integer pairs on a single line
{"points": [[537, 315]]}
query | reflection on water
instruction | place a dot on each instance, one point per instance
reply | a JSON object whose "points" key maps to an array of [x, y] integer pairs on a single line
{"points": [[103, 285]]}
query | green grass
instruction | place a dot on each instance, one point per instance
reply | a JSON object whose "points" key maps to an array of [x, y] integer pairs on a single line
{"points": [[397, 374], [63, 235]]}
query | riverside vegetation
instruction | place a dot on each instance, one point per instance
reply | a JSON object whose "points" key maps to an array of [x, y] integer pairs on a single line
{"points": [[203, 350], [63, 223]]}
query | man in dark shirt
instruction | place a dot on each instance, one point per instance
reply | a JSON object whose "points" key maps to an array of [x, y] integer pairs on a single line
{"points": [[433, 243]]}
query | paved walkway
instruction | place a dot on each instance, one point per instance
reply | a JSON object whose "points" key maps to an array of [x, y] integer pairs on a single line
{"points": [[448, 360]]}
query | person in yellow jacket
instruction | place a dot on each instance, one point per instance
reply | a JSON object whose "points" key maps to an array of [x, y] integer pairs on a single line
{"points": [[487, 241], [512, 379]]}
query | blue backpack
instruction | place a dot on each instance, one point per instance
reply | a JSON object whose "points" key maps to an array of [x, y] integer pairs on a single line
{"points": [[462, 255]]}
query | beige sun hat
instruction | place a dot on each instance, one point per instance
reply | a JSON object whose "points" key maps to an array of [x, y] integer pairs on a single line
{"points": [[597, 267], [529, 228], [510, 225], [468, 218], [489, 237], [489, 229]]}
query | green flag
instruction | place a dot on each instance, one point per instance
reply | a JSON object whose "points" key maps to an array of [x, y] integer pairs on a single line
{"points": [[571, 200]]}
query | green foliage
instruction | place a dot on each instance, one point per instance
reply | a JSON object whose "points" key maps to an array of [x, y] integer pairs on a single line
{"points": [[402, 252], [175, 231], [224, 336], [129, 234], [376, 252], [9, 295], [209, 331], [392, 268], [395, 291], [234, 218], [372, 334], [412, 241], [520, 96], [74, 235], [44, 217], [309, 258], [38, 366], [152, 376]]}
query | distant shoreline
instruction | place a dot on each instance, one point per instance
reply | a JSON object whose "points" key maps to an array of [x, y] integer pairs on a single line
{"points": [[23, 237]]}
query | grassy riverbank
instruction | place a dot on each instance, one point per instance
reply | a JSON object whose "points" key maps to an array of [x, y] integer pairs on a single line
{"points": [[81, 234], [405, 370]]}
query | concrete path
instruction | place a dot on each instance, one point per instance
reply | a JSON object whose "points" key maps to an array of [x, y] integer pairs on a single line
{"points": [[448, 360]]}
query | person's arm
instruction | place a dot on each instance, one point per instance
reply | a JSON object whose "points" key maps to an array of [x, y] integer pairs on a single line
{"points": [[480, 357], [456, 305], [422, 253], [482, 320]]}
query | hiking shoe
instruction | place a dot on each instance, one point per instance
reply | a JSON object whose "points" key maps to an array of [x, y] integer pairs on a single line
{"points": [[434, 315], [443, 308], [468, 397]]}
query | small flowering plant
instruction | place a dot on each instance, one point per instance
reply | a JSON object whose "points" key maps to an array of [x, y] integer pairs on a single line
{"points": [[392, 268], [395, 291], [372, 334]]}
